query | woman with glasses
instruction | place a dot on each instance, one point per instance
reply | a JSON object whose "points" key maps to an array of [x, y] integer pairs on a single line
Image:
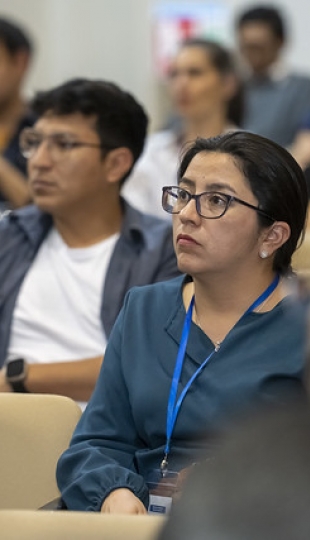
{"points": [[188, 355], [207, 100]]}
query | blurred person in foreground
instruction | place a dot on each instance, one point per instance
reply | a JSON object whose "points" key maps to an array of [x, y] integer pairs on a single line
{"points": [[16, 51], [67, 261], [186, 356], [206, 98], [276, 98], [256, 488]]}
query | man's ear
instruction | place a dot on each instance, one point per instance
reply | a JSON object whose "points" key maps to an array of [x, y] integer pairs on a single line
{"points": [[274, 237], [117, 163]]}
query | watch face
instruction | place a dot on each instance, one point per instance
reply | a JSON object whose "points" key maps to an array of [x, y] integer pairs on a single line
{"points": [[15, 368]]}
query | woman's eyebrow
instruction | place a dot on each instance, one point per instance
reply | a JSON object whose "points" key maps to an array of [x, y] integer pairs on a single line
{"points": [[212, 186], [187, 181]]}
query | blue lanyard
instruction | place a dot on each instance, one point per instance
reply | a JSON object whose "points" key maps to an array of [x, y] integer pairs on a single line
{"points": [[174, 405]]}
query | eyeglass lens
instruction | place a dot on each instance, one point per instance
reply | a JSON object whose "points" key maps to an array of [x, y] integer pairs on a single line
{"points": [[211, 204], [30, 141]]}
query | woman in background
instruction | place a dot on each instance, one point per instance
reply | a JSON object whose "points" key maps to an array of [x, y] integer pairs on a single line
{"points": [[206, 97]]}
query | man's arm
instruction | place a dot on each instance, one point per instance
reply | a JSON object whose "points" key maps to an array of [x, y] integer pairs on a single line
{"points": [[74, 379], [13, 184]]}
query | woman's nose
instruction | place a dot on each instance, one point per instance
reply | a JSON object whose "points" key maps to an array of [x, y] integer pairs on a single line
{"points": [[189, 212]]}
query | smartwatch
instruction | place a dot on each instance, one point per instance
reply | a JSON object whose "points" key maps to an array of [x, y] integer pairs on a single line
{"points": [[16, 373]]}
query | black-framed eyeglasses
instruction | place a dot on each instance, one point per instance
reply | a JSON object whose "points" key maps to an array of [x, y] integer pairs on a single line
{"points": [[209, 204], [58, 143]]}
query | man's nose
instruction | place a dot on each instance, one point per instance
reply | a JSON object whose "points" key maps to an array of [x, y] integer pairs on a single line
{"points": [[42, 155]]}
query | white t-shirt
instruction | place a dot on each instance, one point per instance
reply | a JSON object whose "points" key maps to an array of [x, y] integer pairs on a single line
{"points": [[156, 168], [57, 313]]}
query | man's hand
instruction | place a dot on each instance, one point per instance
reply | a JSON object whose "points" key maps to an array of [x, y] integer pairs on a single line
{"points": [[122, 501], [4, 386]]}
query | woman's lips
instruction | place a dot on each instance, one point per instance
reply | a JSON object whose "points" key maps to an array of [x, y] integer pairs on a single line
{"points": [[186, 240]]}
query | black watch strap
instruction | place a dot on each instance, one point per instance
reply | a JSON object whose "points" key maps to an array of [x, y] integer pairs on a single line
{"points": [[16, 373], [18, 386]]}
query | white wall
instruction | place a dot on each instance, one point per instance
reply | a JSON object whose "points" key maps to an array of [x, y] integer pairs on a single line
{"points": [[111, 39]]}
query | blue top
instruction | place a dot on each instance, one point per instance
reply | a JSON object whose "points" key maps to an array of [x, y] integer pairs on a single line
{"points": [[143, 254], [122, 433]]}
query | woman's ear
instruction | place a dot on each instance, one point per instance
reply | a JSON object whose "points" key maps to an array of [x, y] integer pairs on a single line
{"points": [[117, 163], [274, 237]]}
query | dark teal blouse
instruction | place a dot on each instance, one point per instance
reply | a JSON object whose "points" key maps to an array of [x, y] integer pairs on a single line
{"points": [[122, 433]]}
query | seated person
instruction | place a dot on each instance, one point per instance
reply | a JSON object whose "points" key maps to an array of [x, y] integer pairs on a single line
{"points": [[276, 98], [187, 355], [67, 261], [15, 55], [207, 98]]}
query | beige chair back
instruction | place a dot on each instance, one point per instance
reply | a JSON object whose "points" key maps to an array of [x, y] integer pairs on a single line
{"points": [[34, 430], [64, 525]]}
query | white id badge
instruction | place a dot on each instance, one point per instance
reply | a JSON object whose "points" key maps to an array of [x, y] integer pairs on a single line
{"points": [[161, 490], [159, 505]]}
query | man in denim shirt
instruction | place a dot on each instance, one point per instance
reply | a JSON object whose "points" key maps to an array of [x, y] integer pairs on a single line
{"points": [[67, 262]]}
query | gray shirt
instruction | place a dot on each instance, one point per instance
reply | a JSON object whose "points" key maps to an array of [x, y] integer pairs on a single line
{"points": [[276, 108]]}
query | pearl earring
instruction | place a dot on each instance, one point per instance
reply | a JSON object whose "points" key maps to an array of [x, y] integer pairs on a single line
{"points": [[264, 254]]}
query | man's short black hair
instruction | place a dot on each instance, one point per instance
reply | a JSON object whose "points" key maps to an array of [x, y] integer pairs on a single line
{"points": [[119, 119], [269, 15], [14, 38]]}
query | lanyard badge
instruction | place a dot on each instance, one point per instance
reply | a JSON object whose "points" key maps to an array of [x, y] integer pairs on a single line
{"points": [[164, 485], [174, 403]]}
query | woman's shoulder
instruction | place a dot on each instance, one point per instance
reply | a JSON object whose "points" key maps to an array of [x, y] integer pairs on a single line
{"points": [[162, 288]]}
